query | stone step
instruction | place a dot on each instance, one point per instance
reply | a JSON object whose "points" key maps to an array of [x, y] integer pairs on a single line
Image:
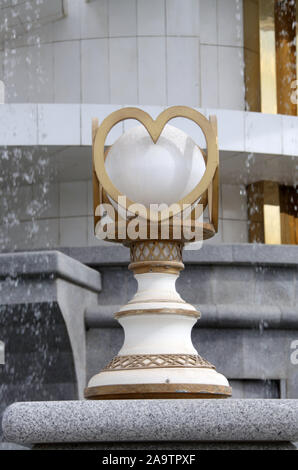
{"points": [[166, 421]]}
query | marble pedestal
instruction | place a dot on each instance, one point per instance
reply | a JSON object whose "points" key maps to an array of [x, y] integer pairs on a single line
{"points": [[154, 424]]}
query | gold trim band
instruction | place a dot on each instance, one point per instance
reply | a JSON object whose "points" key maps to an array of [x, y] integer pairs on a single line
{"points": [[157, 361], [160, 391], [131, 302], [156, 267], [153, 250], [158, 311]]}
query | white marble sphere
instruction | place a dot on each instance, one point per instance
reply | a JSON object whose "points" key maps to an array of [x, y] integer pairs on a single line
{"points": [[150, 173]]}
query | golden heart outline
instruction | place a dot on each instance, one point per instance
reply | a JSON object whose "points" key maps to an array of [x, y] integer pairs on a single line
{"points": [[154, 129]]}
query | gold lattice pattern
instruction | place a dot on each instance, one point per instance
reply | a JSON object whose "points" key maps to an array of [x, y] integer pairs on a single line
{"points": [[152, 361], [156, 251]]}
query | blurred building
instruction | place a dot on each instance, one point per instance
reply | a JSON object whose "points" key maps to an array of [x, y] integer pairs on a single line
{"points": [[64, 62]]}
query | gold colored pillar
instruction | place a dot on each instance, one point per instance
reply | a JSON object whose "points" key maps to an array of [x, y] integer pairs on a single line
{"points": [[288, 215], [252, 55], [296, 30], [272, 213], [255, 202], [271, 65], [264, 212], [267, 57], [285, 35], [272, 231]]}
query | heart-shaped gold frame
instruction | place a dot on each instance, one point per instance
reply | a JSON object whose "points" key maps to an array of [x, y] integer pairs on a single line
{"points": [[155, 128]]}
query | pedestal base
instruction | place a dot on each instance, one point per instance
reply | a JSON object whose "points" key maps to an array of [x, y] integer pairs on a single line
{"points": [[152, 424]]}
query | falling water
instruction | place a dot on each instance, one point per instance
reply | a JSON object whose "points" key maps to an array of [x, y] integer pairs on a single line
{"points": [[26, 178], [25, 181]]}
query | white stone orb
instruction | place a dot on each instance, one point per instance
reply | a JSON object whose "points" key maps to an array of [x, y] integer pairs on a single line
{"points": [[149, 173]]}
